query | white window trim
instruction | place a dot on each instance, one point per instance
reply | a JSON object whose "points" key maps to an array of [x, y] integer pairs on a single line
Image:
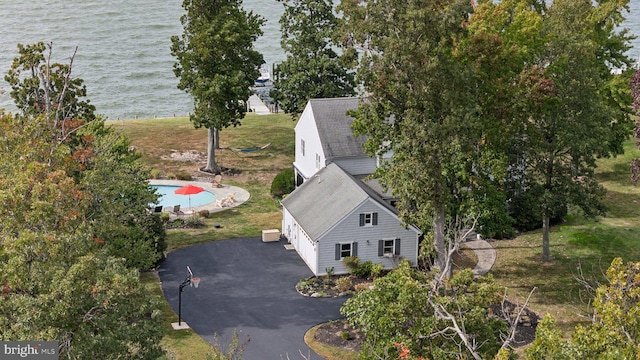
{"points": [[368, 222], [350, 249], [393, 248]]}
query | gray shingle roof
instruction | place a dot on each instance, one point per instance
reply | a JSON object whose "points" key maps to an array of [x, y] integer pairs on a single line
{"points": [[326, 198], [334, 127]]}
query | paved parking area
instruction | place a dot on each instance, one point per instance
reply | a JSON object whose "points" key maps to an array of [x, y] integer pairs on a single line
{"points": [[247, 285]]}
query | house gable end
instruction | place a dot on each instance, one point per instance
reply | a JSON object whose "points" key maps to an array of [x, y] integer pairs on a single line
{"points": [[308, 146]]}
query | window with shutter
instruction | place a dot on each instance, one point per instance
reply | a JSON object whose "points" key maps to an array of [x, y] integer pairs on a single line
{"points": [[369, 219], [389, 247], [344, 250]]}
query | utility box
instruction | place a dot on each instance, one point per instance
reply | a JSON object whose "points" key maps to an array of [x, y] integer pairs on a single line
{"points": [[270, 235]]}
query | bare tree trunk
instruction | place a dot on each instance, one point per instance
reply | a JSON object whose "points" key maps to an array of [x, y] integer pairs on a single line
{"points": [[439, 240], [546, 251], [216, 139], [211, 153]]}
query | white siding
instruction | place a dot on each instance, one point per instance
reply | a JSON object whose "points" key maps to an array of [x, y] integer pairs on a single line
{"points": [[307, 130], [349, 230], [305, 247], [362, 165]]}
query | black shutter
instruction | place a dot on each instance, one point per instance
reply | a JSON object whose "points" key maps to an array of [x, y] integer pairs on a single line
{"points": [[396, 251], [361, 219], [380, 247], [337, 251], [354, 249], [374, 221]]}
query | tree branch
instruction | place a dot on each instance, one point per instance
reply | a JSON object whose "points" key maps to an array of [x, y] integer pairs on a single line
{"points": [[513, 324]]}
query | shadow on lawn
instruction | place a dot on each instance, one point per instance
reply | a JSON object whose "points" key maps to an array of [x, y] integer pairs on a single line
{"points": [[620, 174]]}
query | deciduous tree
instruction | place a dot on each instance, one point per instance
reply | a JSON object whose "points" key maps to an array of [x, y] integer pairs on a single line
{"points": [[312, 69], [635, 93], [40, 86], [58, 282], [216, 63], [614, 332], [67, 135], [573, 109], [421, 105], [58, 278]]}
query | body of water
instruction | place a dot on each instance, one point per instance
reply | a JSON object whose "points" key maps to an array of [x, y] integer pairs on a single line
{"points": [[123, 48], [123, 52]]}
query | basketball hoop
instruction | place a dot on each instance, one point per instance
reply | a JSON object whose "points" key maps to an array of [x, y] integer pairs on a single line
{"points": [[195, 282]]}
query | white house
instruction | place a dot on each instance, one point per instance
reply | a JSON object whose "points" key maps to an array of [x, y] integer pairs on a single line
{"points": [[324, 136], [333, 215], [335, 211]]}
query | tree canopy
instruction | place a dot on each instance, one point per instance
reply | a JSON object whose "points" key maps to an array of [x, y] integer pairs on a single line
{"points": [[478, 110], [312, 69], [216, 63], [404, 313], [420, 105], [64, 222], [573, 110]]}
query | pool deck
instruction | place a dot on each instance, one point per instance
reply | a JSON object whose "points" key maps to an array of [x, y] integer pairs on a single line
{"points": [[239, 194]]}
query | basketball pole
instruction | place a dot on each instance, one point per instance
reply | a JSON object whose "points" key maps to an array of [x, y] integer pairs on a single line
{"points": [[186, 282]]}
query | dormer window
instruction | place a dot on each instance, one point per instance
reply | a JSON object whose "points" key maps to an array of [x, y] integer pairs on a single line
{"points": [[369, 219]]}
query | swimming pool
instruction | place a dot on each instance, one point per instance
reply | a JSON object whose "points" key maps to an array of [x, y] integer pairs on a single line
{"points": [[169, 198]]}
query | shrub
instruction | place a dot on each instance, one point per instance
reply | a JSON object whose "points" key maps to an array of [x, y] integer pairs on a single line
{"points": [[376, 270], [304, 284], [345, 335], [154, 174], [364, 270], [344, 284], [194, 222], [165, 217], [283, 183], [351, 263], [354, 267], [495, 222]]}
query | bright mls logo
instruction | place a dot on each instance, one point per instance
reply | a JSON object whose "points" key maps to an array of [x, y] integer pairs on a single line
{"points": [[37, 350]]}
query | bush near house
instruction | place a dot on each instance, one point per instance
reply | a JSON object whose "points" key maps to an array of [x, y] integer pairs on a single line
{"points": [[283, 183]]}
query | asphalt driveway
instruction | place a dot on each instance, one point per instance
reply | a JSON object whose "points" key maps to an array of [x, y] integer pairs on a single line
{"points": [[247, 285]]}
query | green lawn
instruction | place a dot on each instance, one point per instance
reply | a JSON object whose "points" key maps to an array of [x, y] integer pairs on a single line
{"points": [[580, 247]]}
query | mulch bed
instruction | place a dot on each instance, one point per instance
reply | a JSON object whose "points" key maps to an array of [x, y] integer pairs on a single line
{"points": [[328, 286], [526, 328], [339, 334]]}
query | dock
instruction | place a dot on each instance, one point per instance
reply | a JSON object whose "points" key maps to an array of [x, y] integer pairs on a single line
{"points": [[257, 106]]}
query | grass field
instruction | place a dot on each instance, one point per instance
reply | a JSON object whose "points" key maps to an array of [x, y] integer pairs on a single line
{"points": [[580, 247]]}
